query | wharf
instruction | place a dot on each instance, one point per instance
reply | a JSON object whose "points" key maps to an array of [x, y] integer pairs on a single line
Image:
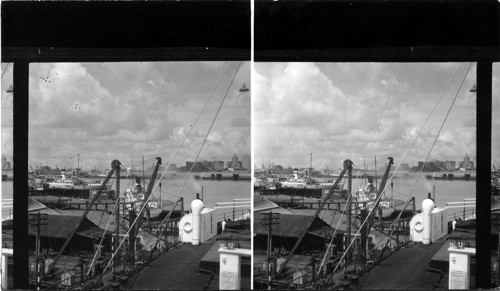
{"points": [[298, 192], [210, 262], [107, 205], [219, 177]]}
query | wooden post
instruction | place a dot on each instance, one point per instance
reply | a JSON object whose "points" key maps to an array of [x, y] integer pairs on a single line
{"points": [[182, 206], [414, 207], [363, 235]]}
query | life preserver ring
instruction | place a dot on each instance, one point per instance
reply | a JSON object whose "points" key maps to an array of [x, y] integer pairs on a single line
{"points": [[188, 227], [419, 226]]}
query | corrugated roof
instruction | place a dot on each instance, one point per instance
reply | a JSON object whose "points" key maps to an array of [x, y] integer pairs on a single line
{"points": [[260, 203], [290, 225], [34, 205], [61, 226]]}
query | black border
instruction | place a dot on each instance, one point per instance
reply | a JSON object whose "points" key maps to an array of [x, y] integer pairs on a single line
{"points": [[376, 30], [125, 30]]}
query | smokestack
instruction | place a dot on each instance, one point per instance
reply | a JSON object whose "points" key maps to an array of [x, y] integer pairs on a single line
{"points": [[427, 207], [196, 208]]}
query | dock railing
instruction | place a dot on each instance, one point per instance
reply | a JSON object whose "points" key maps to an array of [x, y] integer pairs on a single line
{"points": [[233, 210], [463, 209], [7, 209]]}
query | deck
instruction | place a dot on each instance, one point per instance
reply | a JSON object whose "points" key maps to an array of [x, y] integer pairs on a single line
{"points": [[176, 269], [405, 269]]}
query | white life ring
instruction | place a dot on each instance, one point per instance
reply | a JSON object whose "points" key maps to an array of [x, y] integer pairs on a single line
{"points": [[419, 226], [188, 227]]}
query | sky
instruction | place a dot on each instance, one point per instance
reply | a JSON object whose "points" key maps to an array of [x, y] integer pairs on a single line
{"points": [[336, 112], [123, 111]]}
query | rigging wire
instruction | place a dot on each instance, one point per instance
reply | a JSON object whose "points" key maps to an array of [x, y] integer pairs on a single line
{"points": [[145, 202], [375, 137], [210, 129], [442, 125], [335, 232], [191, 127], [116, 207], [145, 133], [392, 93], [378, 199]]}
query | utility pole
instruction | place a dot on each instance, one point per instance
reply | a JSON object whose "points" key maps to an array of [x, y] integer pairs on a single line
{"points": [[270, 220], [376, 185], [160, 197], [78, 167], [363, 212], [131, 218], [143, 179], [311, 165], [37, 220], [392, 189]]}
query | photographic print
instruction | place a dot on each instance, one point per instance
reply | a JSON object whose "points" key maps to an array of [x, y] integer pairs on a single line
{"points": [[138, 172], [365, 174]]}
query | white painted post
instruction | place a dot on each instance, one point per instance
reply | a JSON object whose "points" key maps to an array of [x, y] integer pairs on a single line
{"points": [[4, 272], [230, 267], [459, 270], [5, 256]]}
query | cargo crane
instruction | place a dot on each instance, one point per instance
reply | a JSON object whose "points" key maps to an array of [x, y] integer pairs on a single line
{"points": [[147, 194], [379, 193], [134, 229], [347, 167], [115, 167]]}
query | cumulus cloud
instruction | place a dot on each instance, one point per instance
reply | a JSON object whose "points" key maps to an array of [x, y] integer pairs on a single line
{"points": [[107, 111], [345, 110]]}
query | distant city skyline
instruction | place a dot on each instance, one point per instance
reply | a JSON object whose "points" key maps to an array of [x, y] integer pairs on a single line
{"points": [[371, 165], [245, 162]]}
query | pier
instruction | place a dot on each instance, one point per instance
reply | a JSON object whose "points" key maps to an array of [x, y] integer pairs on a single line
{"points": [[298, 192], [224, 177]]}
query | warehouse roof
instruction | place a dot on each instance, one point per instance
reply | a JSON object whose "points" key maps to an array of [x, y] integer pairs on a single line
{"points": [[61, 226], [290, 225]]}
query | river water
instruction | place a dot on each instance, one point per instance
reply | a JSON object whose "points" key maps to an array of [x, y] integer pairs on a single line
{"points": [[445, 190], [213, 191], [226, 190]]}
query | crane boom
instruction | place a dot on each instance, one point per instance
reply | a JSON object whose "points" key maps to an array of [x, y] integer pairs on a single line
{"points": [[347, 165], [148, 193], [379, 192], [115, 164]]}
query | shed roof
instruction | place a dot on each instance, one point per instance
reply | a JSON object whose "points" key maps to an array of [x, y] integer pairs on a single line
{"points": [[34, 205], [261, 203], [61, 226], [290, 225]]}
